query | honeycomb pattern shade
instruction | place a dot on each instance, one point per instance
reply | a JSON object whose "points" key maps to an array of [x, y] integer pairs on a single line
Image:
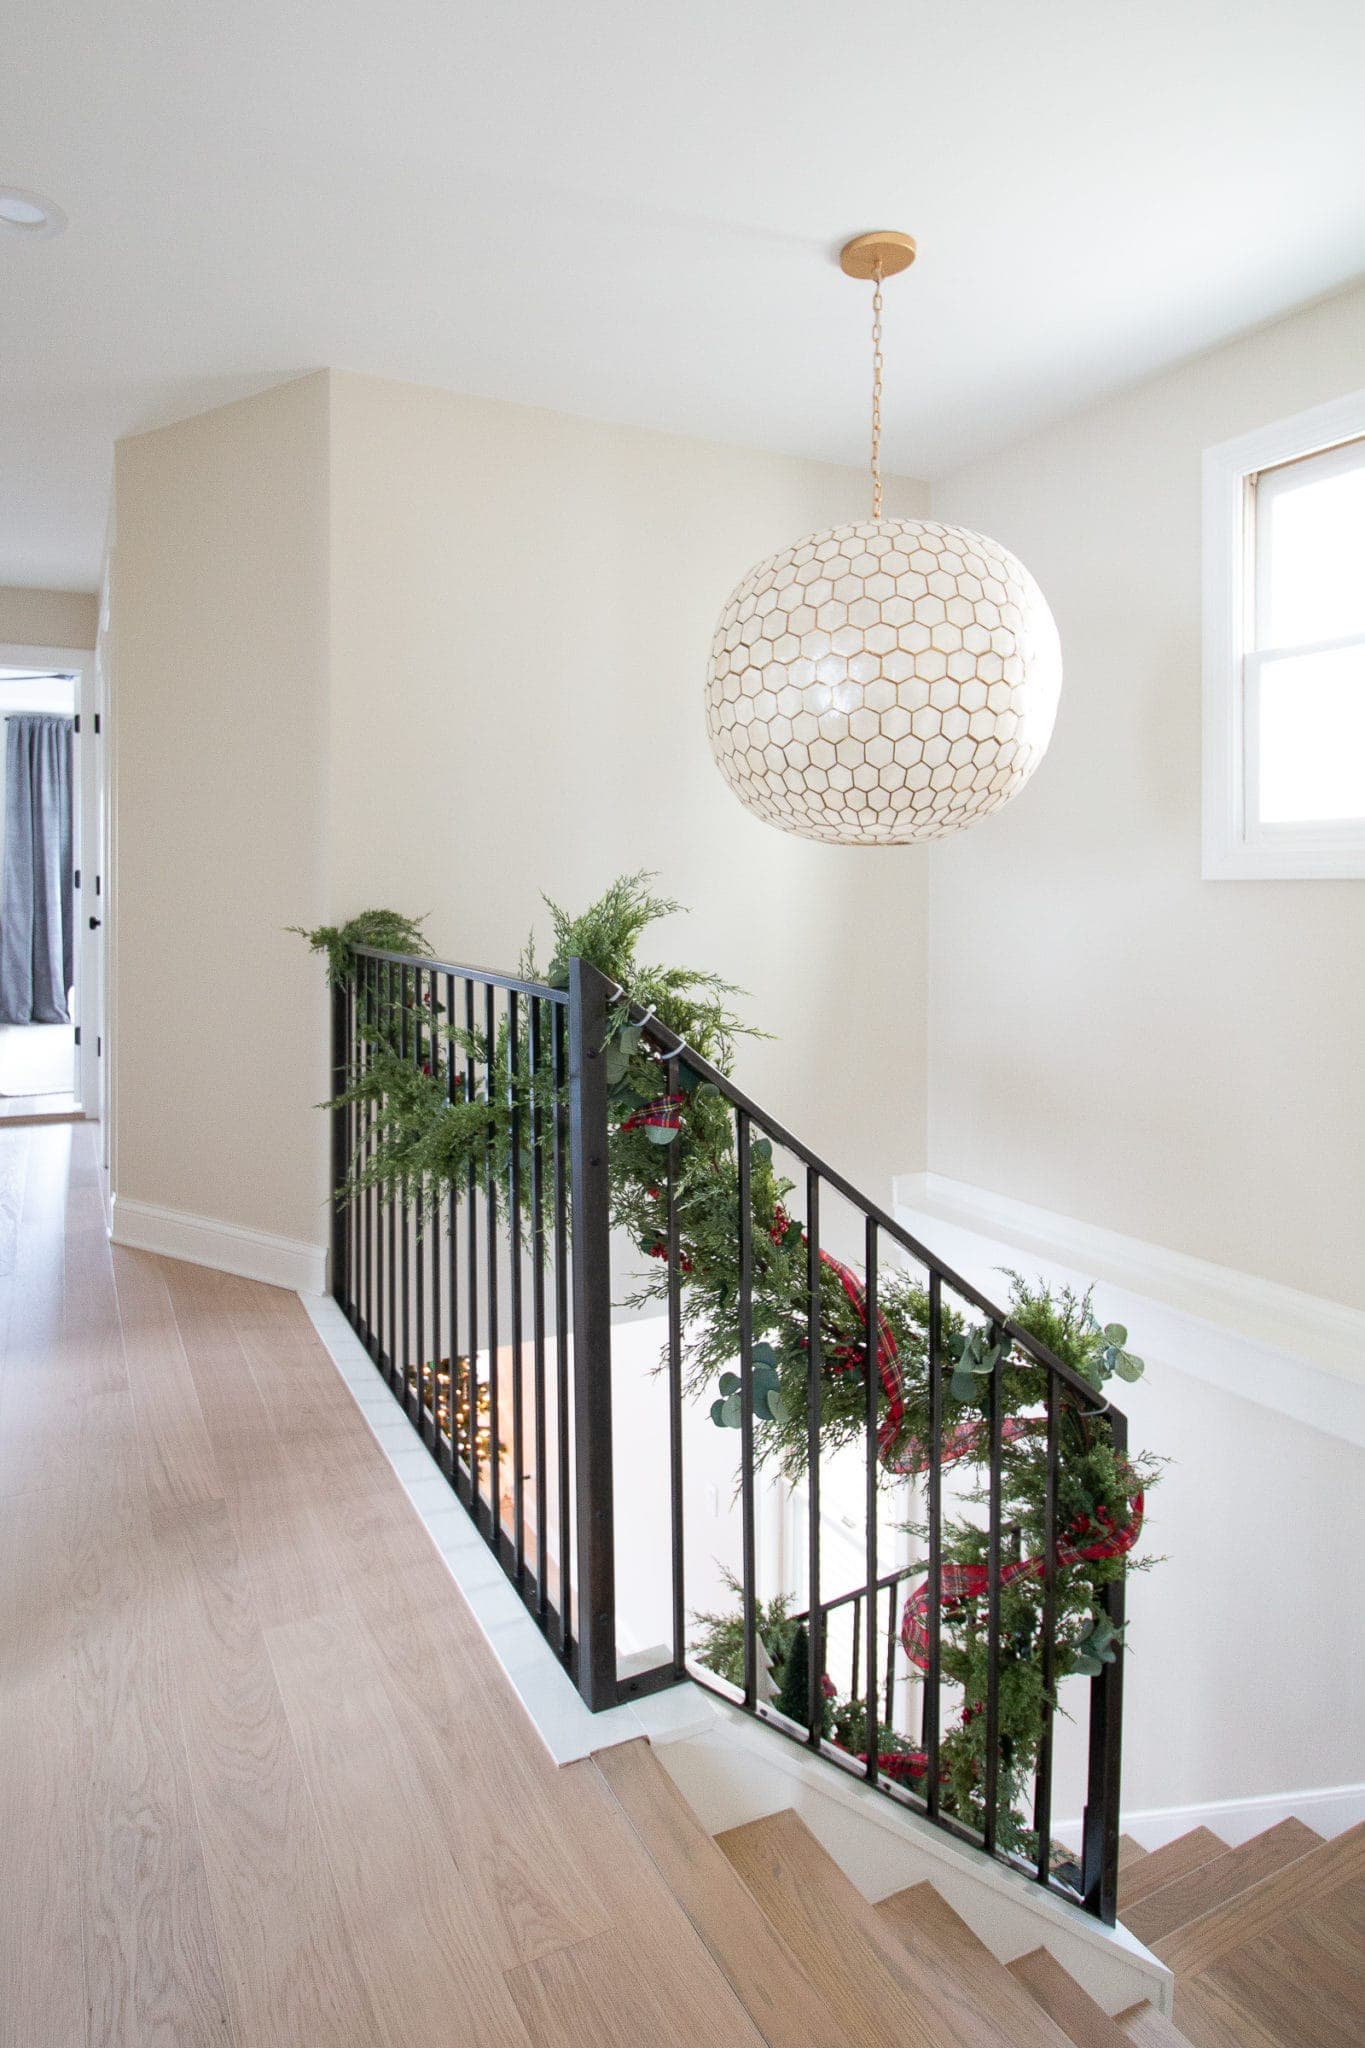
{"points": [[884, 682]]}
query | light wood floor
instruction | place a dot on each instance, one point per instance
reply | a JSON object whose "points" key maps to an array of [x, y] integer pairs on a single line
{"points": [[261, 1782]]}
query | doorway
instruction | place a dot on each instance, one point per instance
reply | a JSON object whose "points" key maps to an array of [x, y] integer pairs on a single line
{"points": [[51, 886]]}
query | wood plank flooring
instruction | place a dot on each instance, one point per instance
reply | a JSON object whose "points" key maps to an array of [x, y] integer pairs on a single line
{"points": [[262, 1783]]}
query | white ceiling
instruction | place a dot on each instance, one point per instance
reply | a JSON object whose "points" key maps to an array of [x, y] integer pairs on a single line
{"points": [[628, 209]]}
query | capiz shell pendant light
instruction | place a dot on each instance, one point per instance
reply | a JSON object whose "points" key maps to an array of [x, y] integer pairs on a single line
{"points": [[886, 681]]}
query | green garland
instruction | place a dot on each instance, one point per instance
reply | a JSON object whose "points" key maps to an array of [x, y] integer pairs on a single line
{"points": [[420, 1142]]}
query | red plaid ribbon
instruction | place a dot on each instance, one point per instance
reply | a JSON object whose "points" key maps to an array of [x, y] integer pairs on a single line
{"points": [[846, 1357], [962, 1582], [663, 1114]]}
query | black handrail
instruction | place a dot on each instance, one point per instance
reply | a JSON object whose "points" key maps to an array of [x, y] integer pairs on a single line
{"points": [[545, 1407]]}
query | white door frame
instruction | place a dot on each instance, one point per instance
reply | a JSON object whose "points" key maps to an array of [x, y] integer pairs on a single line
{"points": [[87, 820]]}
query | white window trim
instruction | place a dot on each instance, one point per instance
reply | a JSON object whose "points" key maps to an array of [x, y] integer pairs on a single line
{"points": [[1267, 852]]}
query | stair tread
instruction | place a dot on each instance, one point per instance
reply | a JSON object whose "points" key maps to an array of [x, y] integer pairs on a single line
{"points": [[1214, 1883], [1062, 1998], [1147, 2028], [1162, 1866], [865, 1974], [764, 1973], [1131, 1851], [1281, 1963], [935, 1934]]}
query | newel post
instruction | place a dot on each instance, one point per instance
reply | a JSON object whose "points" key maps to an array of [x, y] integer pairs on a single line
{"points": [[1100, 1848], [595, 1591]]}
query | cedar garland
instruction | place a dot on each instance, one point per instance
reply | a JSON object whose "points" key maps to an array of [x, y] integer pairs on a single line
{"points": [[419, 1142]]}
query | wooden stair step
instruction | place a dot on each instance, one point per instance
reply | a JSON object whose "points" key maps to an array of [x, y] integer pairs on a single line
{"points": [[1164, 1865], [1130, 1852], [762, 1970], [1214, 1883], [876, 1991], [1147, 2028], [936, 1936], [1062, 1998], [1281, 1964]]}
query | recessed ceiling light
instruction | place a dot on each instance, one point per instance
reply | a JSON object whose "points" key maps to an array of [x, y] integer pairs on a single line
{"points": [[28, 213]]}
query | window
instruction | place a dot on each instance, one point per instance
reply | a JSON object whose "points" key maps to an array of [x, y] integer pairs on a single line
{"points": [[1284, 649]]}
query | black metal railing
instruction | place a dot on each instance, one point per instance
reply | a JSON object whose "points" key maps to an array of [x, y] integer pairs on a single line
{"points": [[494, 1330]]}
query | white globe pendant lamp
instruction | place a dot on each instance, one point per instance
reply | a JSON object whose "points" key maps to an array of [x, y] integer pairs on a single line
{"points": [[886, 681]]}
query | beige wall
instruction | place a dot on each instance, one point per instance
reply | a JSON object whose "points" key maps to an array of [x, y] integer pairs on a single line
{"points": [[47, 618], [218, 676], [503, 694], [522, 608], [1112, 1037]]}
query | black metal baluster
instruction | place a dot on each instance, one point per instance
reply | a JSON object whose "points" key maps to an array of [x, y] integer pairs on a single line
{"points": [[855, 1662], [472, 1261], [514, 1288], [891, 1653], [405, 1199], [559, 1074], [434, 1220], [536, 1057], [452, 1247], [677, 1531], [366, 1201], [389, 1036], [1042, 1784], [815, 1697], [1100, 1850], [746, 1408], [872, 1368], [490, 1198], [420, 1361], [991, 1789], [933, 1674]]}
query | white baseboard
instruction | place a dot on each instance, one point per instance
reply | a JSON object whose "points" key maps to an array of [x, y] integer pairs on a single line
{"points": [[227, 1247], [1296, 1353], [1330, 1809]]}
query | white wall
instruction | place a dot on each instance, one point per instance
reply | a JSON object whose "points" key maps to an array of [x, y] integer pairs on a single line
{"points": [[47, 618], [1112, 1037], [217, 658], [374, 644], [522, 609]]}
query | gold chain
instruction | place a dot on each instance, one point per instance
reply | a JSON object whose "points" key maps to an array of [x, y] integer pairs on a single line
{"points": [[877, 393]]}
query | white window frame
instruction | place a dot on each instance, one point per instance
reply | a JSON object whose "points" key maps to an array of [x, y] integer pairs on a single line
{"points": [[1236, 847]]}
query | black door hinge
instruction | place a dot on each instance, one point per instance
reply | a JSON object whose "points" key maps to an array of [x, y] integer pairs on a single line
{"points": [[78, 1034], [99, 1048], [76, 879], [97, 721], [76, 723]]}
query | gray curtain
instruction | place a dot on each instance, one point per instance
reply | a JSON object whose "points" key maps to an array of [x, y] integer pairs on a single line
{"points": [[37, 906]]}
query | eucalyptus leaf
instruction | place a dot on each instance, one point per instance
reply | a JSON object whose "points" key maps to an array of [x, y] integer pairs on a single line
{"points": [[1128, 1367], [763, 1354], [718, 1414], [730, 1411], [963, 1384], [657, 1135], [1116, 1334], [729, 1383]]}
